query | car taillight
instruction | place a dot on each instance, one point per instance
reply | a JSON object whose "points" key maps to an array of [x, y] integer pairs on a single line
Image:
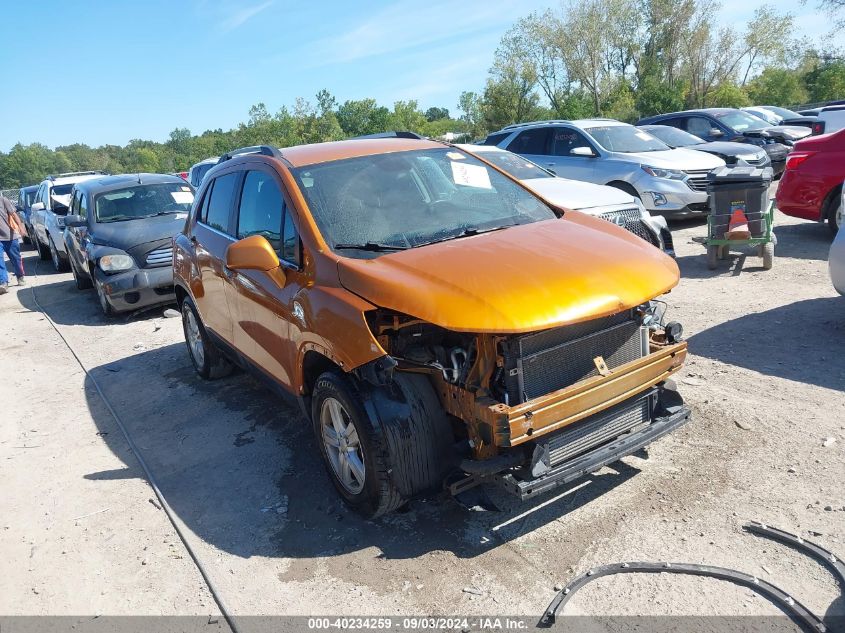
{"points": [[818, 127], [794, 159]]}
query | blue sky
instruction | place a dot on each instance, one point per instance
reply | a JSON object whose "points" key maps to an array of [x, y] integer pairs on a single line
{"points": [[105, 72]]}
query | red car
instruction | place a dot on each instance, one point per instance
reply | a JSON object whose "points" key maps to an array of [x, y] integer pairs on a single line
{"points": [[811, 185]]}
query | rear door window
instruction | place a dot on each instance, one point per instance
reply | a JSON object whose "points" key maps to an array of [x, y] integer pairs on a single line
{"points": [[534, 141], [566, 139], [220, 202]]}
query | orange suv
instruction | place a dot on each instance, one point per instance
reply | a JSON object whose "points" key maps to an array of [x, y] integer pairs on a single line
{"points": [[440, 324]]}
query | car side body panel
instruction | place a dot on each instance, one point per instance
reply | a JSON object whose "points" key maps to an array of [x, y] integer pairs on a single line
{"points": [[803, 190]]}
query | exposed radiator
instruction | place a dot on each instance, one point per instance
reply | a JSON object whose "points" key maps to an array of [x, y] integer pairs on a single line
{"points": [[542, 362]]}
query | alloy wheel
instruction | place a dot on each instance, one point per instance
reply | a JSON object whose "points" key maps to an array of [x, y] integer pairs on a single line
{"points": [[343, 446], [194, 338]]}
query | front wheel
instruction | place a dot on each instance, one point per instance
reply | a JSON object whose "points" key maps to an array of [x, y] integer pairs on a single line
{"points": [[768, 255], [836, 217], [43, 251], [58, 263], [713, 257], [82, 281], [105, 306], [379, 463]]}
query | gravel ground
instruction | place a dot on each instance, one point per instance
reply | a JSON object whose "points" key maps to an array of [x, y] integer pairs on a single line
{"points": [[765, 379]]}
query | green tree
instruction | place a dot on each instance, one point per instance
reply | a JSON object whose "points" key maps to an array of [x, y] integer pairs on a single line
{"points": [[435, 114], [777, 86], [826, 81], [727, 95], [406, 116], [363, 116]]}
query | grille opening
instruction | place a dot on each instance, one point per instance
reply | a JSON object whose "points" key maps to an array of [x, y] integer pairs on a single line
{"points": [[630, 220]]}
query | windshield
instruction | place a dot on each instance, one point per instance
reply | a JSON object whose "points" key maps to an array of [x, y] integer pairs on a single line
{"points": [[741, 121], [407, 199], [626, 139], [516, 166], [143, 201], [61, 190], [673, 137], [783, 112]]}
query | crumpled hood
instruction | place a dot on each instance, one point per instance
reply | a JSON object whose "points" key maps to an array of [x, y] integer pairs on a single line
{"points": [[684, 159], [784, 132], [131, 233], [574, 194], [520, 279]]}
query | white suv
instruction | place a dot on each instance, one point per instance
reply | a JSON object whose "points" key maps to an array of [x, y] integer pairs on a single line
{"points": [[670, 182], [47, 215]]}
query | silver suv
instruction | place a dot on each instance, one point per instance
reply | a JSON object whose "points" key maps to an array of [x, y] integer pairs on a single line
{"points": [[670, 182]]}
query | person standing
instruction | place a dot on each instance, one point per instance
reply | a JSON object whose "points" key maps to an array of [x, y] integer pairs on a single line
{"points": [[11, 228]]}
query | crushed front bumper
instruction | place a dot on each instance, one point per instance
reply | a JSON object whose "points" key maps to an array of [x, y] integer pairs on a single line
{"points": [[136, 289], [594, 459]]}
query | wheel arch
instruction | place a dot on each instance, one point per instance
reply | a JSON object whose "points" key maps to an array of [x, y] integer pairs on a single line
{"points": [[627, 187], [828, 206]]}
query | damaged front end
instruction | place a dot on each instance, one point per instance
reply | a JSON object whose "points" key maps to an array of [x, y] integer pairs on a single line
{"points": [[536, 410]]}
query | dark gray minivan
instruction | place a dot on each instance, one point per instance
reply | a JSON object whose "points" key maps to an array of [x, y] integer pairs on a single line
{"points": [[119, 235]]}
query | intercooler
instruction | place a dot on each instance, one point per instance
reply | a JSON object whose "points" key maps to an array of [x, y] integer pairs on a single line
{"points": [[541, 362]]}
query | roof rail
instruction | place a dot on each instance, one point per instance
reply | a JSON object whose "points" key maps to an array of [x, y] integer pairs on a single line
{"points": [[513, 126], [264, 150], [68, 174], [390, 134]]}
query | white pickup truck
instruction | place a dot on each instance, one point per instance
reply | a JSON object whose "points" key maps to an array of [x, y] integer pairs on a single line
{"points": [[47, 215]]}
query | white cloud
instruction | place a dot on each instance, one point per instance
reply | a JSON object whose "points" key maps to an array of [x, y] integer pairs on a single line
{"points": [[407, 24], [242, 15]]}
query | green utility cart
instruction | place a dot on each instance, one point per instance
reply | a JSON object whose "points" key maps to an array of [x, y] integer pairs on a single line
{"points": [[740, 190]]}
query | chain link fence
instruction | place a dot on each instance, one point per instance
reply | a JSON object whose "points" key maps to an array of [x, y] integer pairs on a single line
{"points": [[11, 194]]}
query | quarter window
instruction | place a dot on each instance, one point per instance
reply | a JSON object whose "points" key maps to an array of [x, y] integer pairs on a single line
{"points": [[216, 214], [260, 211], [83, 205]]}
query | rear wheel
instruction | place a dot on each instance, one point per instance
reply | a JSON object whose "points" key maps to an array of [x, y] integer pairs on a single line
{"points": [[207, 360]]}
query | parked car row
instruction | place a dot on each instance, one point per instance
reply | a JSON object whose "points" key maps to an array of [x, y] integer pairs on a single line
{"points": [[669, 182]]}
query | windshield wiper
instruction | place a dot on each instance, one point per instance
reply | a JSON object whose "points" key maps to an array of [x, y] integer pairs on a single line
{"points": [[469, 232], [370, 246], [154, 215]]}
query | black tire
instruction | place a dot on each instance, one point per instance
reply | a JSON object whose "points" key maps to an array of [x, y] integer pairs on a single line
{"points": [[835, 213], [59, 264], [43, 251], [405, 451], [82, 281], [105, 306], [210, 364]]}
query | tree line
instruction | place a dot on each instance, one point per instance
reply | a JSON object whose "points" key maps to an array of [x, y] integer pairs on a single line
{"points": [[622, 59]]}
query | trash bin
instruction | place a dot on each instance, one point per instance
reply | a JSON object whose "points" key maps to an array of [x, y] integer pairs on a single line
{"points": [[743, 188]]}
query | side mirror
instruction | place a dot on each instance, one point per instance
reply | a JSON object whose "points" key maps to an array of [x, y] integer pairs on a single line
{"points": [[255, 253], [714, 131], [582, 151], [37, 206], [75, 221]]}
